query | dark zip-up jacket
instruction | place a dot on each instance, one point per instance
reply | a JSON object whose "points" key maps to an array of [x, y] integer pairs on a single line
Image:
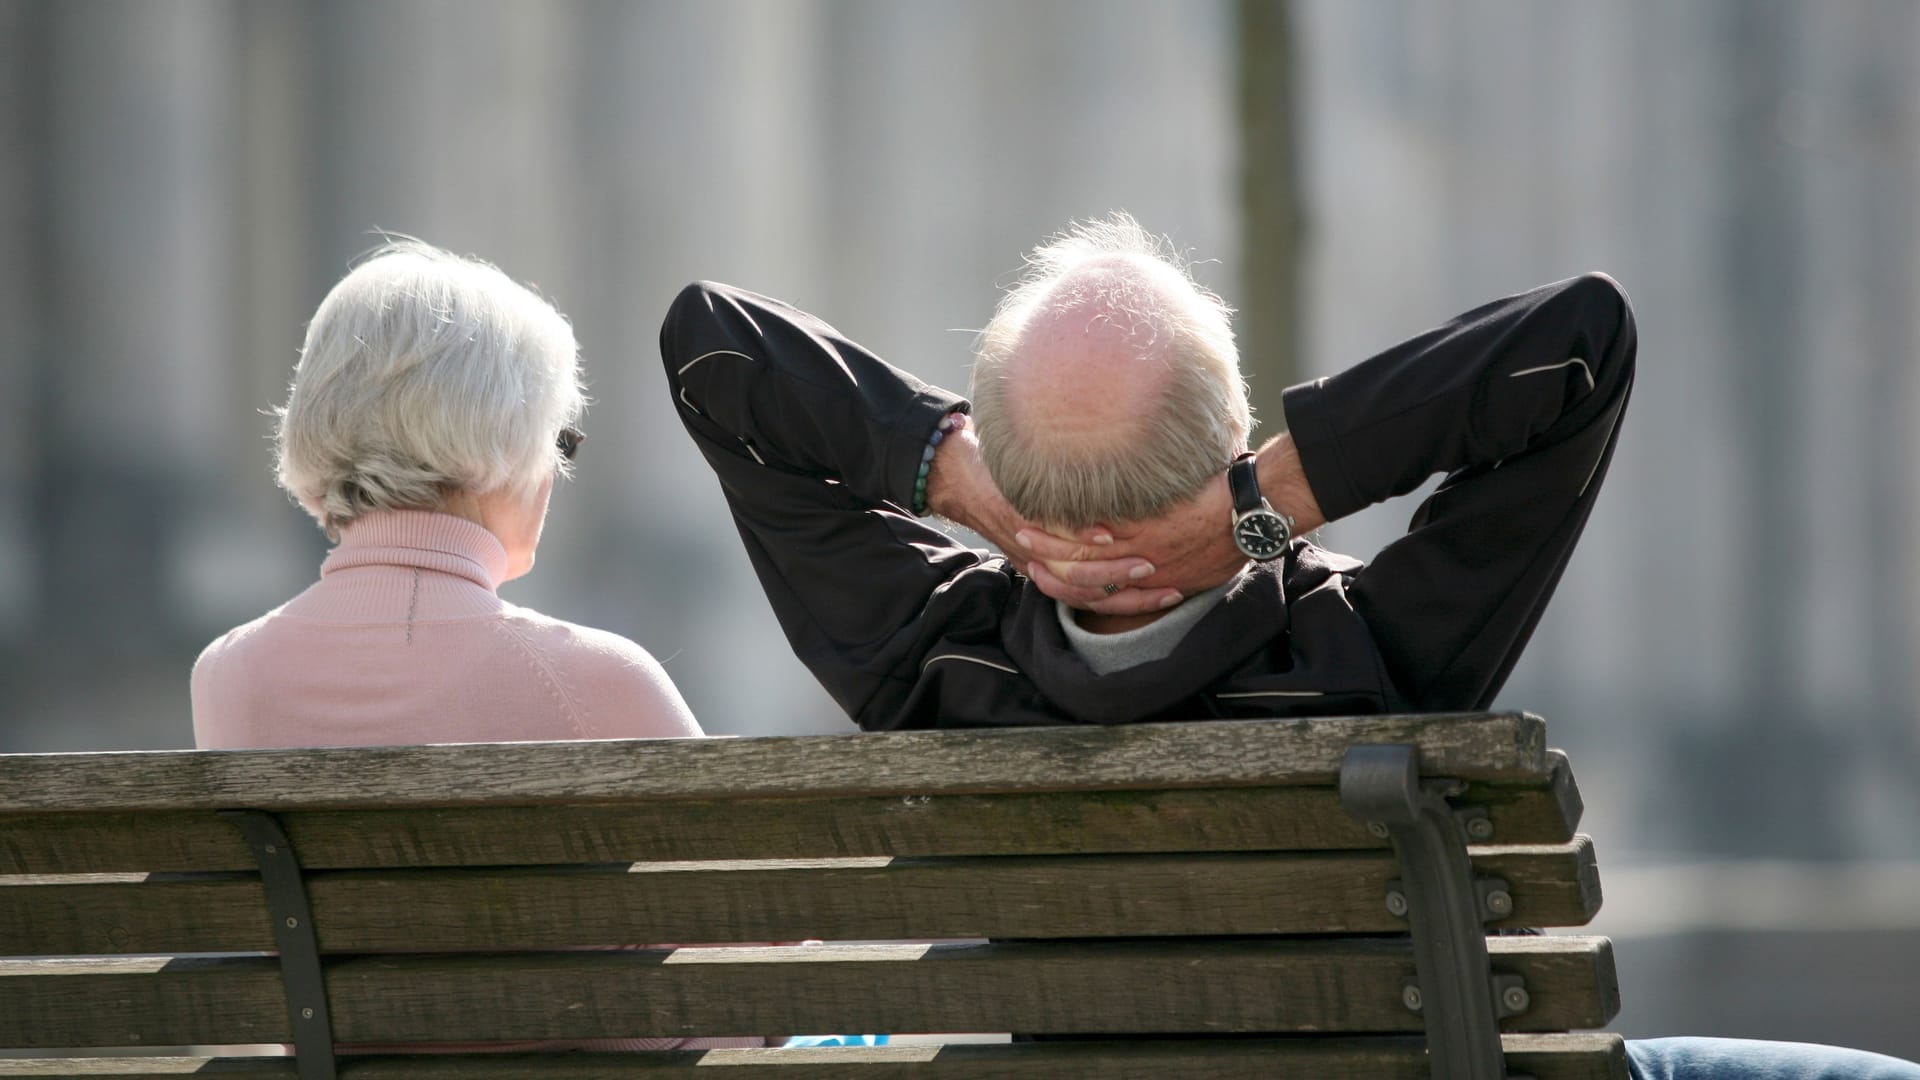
{"points": [[817, 442]]}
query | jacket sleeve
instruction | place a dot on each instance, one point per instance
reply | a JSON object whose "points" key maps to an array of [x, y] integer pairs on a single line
{"points": [[817, 444], [1518, 402]]}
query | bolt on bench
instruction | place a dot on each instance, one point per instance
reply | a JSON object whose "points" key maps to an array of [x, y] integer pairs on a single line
{"points": [[1284, 898]]}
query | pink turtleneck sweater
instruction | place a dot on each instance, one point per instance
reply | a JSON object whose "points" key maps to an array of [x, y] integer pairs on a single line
{"points": [[404, 640]]}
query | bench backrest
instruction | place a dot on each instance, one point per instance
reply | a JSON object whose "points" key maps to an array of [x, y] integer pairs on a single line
{"points": [[1190, 879]]}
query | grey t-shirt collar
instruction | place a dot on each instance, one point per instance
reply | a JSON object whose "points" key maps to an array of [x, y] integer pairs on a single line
{"points": [[1105, 653]]}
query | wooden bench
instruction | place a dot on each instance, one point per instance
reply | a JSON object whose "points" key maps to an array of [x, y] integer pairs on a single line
{"points": [[1206, 881]]}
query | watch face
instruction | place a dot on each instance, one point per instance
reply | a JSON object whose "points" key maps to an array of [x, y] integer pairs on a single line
{"points": [[1260, 534]]}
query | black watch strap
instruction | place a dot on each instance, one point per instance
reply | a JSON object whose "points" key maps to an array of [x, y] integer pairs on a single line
{"points": [[1244, 482]]}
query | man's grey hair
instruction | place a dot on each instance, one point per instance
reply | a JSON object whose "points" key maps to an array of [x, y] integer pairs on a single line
{"points": [[423, 375], [1121, 273]]}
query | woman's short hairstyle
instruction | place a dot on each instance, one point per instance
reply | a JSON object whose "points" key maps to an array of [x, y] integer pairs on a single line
{"points": [[1188, 436], [425, 374]]}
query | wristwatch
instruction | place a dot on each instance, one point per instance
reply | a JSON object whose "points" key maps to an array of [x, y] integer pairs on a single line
{"points": [[1258, 531]]}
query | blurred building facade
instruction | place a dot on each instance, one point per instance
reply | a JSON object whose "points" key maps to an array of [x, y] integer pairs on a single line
{"points": [[1732, 657]]}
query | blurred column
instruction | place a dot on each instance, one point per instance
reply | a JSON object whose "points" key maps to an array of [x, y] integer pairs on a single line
{"points": [[22, 30], [140, 223], [697, 154], [1904, 153], [1791, 771], [1858, 124], [1270, 199], [243, 547], [451, 120]]}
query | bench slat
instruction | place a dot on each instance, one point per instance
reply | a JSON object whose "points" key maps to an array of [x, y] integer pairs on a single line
{"points": [[1019, 897], [1473, 746], [1202, 819], [1283, 985], [1545, 1057]]}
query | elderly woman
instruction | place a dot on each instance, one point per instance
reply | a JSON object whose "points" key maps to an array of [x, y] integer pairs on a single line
{"points": [[431, 411]]}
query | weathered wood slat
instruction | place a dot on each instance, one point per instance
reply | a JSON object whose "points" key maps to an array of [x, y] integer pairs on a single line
{"points": [[145, 1001], [1545, 1057], [1274, 985], [149, 1068], [1019, 897], [1198, 819], [1202, 754], [1597, 1055], [1562, 791]]}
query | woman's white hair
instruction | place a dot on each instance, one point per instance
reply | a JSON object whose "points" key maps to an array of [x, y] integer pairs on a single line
{"points": [[425, 374], [1188, 436]]}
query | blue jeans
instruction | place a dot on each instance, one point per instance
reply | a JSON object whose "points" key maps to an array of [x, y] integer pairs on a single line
{"points": [[1750, 1059]]}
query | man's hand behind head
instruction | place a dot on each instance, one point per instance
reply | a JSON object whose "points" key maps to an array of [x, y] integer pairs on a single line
{"points": [[1190, 546], [960, 489]]}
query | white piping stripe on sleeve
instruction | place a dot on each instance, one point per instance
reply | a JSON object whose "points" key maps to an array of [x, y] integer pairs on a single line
{"points": [[971, 660], [751, 450], [1273, 693], [705, 355], [697, 359], [1584, 369]]}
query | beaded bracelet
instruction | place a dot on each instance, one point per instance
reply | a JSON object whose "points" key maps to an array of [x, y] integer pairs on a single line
{"points": [[949, 423]]}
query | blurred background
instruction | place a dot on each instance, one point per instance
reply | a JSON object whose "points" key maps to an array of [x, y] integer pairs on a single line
{"points": [[1733, 658]]}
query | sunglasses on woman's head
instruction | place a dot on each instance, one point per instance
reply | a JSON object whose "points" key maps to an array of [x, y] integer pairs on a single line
{"points": [[569, 442]]}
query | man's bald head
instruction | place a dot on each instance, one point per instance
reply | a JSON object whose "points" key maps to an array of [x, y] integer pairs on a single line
{"points": [[1107, 387]]}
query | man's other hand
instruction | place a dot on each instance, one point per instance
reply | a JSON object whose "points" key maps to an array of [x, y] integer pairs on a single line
{"points": [[1190, 546], [960, 489]]}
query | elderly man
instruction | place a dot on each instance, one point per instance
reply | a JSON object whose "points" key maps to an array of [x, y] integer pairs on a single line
{"points": [[1108, 407], [1108, 400]]}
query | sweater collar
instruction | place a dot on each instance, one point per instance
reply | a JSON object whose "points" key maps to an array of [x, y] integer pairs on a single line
{"points": [[1107, 653], [424, 540]]}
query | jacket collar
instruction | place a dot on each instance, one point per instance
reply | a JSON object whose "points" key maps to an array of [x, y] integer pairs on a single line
{"points": [[1251, 618]]}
